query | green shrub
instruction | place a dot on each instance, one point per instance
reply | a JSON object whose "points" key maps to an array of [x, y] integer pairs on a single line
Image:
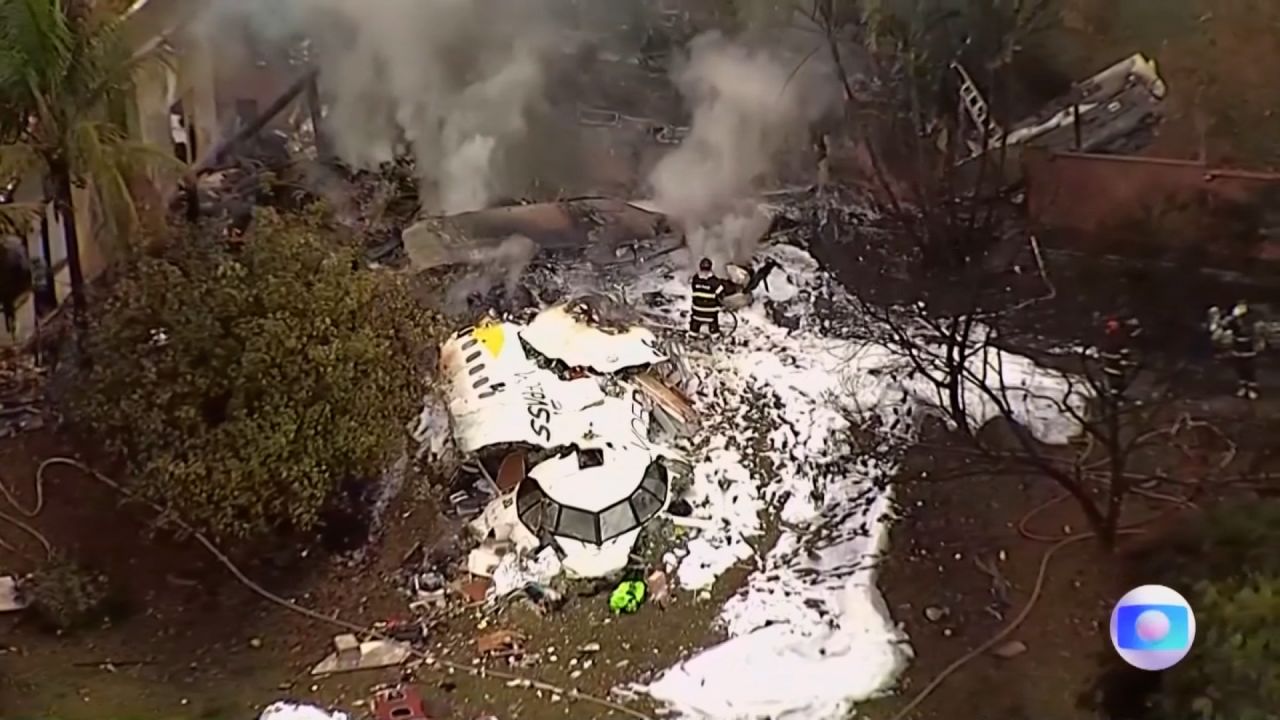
{"points": [[1233, 671], [64, 595], [1223, 542], [1230, 561], [245, 383]]}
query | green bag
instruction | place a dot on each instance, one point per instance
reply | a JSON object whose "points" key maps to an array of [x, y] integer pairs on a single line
{"points": [[626, 598]]}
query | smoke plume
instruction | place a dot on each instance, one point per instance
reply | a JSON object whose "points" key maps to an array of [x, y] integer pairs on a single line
{"points": [[749, 105], [455, 80], [505, 262]]}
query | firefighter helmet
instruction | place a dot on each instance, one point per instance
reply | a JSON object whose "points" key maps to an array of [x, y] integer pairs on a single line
{"points": [[704, 265]]}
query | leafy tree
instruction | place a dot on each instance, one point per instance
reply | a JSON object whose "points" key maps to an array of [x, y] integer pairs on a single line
{"points": [[66, 74], [246, 383], [1227, 539]]}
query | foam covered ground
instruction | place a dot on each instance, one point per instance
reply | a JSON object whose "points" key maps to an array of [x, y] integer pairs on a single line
{"points": [[809, 635], [299, 711]]}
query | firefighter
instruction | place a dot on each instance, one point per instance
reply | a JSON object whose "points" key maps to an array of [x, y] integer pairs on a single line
{"points": [[1240, 330], [1116, 353], [708, 292]]}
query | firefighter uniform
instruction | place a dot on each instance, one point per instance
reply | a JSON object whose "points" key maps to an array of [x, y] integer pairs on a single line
{"points": [[1241, 330], [708, 291], [1116, 353]]}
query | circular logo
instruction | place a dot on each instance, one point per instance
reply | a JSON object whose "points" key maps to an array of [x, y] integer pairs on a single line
{"points": [[1152, 627]]}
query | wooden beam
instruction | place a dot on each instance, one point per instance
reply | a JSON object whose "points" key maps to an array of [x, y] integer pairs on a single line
{"points": [[224, 148]]}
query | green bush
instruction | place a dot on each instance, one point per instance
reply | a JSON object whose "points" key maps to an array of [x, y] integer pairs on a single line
{"points": [[64, 595], [1229, 559], [1220, 544], [1233, 671], [244, 384]]}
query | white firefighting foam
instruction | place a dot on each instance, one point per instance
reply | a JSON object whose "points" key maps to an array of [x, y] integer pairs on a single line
{"points": [[809, 635]]}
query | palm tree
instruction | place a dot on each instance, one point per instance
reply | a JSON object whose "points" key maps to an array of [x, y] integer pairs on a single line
{"points": [[66, 77]]}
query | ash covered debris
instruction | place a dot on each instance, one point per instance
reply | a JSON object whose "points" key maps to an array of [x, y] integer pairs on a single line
{"points": [[442, 110], [599, 225], [484, 96]]}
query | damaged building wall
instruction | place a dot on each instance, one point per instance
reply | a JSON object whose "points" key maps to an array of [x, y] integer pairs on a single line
{"points": [[52, 236], [191, 77], [1138, 205], [146, 24]]}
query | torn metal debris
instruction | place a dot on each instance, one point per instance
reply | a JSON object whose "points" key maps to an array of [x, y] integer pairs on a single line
{"points": [[563, 422], [604, 224], [402, 702], [10, 598], [350, 655], [1113, 111]]}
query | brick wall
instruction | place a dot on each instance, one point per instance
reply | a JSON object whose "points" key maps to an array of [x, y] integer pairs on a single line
{"points": [[1110, 201]]}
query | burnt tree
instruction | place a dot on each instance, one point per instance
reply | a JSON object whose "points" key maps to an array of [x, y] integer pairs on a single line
{"points": [[973, 367]]}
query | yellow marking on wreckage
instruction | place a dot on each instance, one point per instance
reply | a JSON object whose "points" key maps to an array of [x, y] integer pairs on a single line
{"points": [[491, 336]]}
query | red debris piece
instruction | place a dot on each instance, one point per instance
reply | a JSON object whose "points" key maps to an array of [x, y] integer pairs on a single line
{"points": [[400, 703]]}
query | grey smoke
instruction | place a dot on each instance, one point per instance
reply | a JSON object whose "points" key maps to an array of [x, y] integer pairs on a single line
{"points": [[455, 80], [505, 263], [750, 105]]}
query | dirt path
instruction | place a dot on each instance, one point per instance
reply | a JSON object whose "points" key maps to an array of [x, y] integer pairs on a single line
{"points": [[949, 605], [187, 641]]}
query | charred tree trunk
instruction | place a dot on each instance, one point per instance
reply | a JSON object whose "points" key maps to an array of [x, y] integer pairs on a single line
{"points": [[1118, 486]]}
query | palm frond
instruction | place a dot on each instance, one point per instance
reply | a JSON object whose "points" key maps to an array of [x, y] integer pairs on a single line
{"points": [[102, 151], [67, 69], [17, 218], [17, 160], [38, 41], [106, 61]]}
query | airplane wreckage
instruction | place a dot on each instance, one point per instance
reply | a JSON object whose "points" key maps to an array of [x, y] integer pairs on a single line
{"points": [[566, 423], [566, 428]]}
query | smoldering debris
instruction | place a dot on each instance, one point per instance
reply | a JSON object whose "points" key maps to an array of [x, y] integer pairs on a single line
{"points": [[749, 105], [455, 81], [459, 85], [732, 237], [502, 264]]}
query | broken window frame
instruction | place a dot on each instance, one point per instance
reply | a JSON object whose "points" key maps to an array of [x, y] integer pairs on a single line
{"points": [[545, 517], [617, 515]]}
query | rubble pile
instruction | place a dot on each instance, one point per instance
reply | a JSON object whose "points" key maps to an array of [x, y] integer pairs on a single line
{"points": [[563, 434], [21, 386]]}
